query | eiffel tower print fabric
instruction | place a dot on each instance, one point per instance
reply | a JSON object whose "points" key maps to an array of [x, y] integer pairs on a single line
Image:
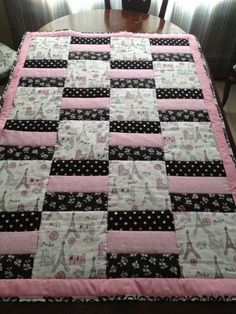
{"points": [[114, 171]]}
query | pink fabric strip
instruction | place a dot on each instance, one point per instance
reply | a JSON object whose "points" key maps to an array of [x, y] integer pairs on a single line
{"points": [[181, 104], [96, 48], [119, 286], [117, 73], [129, 139], [198, 184], [85, 103], [78, 184], [101, 35], [43, 72], [214, 117], [170, 49], [142, 242], [18, 242], [21, 138]]}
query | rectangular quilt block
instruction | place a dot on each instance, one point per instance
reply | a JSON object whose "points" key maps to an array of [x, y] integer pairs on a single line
{"points": [[116, 175]]}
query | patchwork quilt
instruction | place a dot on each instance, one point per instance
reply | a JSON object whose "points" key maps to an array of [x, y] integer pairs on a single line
{"points": [[116, 178]]}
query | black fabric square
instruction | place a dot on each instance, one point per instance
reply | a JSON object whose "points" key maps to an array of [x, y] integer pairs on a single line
{"points": [[135, 126], [86, 92], [32, 125], [195, 168], [143, 266], [45, 63], [16, 266], [175, 57], [90, 40], [179, 93], [132, 83], [26, 152], [202, 202], [42, 82], [135, 153], [80, 167], [17, 221], [89, 55], [120, 64], [169, 42], [84, 114], [183, 116], [141, 220], [72, 201]]}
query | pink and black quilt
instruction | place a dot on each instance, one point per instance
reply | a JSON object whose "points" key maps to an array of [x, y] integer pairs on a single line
{"points": [[116, 177]]}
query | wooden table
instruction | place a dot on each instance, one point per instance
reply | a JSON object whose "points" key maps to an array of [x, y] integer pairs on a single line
{"points": [[108, 21]]}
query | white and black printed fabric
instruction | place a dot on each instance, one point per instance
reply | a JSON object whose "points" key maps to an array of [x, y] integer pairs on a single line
{"points": [[105, 56], [16, 266], [75, 201], [135, 153], [143, 266], [175, 57], [42, 82], [26, 152], [116, 179], [184, 115], [132, 83], [84, 114], [202, 202]]}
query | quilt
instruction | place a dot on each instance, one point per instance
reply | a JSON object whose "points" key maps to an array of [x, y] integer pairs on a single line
{"points": [[116, 178]]}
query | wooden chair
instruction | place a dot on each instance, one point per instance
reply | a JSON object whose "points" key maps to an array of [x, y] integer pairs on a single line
{"points": [[229, 82], [140, 6]]}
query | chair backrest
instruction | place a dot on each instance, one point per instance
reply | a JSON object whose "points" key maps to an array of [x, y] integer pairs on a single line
{"points": [[140, 6]]}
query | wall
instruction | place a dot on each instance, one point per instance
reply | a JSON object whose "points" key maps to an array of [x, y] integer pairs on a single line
{"points": [[5, 31]]}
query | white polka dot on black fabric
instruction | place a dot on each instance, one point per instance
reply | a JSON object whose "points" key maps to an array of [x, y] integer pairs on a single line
{"points": [[135, 126], [90, 40], [45, 63], [80, 167], [32, 125], [120, 64], [195, 168], [169, 42], [143, 221], [176, 93], [18, 222], [86, 92]]}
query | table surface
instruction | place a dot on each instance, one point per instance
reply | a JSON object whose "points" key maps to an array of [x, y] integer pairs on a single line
{"points": [[112, 21]]}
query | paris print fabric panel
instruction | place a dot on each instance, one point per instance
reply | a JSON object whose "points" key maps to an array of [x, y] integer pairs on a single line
{"points": [[111, 164]]}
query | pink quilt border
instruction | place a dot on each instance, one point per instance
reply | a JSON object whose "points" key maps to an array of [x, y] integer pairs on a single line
{"points": [[136, 286]]}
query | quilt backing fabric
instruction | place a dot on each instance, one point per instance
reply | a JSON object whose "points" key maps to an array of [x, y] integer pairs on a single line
{"points": [[115, 175]]}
